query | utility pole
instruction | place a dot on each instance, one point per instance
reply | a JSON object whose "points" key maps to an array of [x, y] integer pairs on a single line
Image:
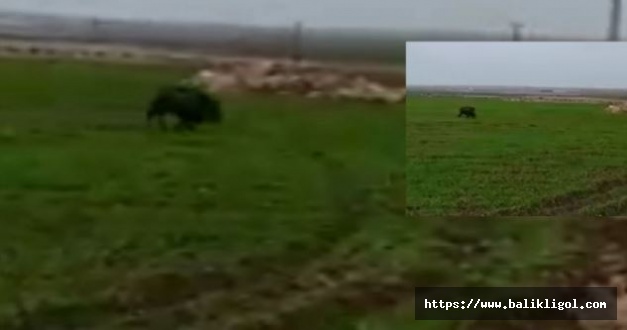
{"points": [[297, 42], [614, 30], [95, 28], [516, 28]]}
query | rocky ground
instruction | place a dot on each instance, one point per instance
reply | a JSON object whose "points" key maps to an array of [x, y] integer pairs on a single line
{"points": [[283, 77], [617, 108]]}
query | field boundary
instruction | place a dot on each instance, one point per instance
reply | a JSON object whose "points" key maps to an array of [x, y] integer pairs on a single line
{"points": [[137, 54]]}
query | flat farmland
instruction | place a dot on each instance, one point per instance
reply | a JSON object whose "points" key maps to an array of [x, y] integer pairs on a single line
{"points": [[516, 158], [100, 211], [288, 215]]}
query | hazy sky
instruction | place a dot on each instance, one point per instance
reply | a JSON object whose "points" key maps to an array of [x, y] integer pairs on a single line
{"points": [[551, 64], [562, 17]]}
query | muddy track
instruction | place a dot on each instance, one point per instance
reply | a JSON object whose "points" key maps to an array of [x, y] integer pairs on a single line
{"points": [[601, 253], [285, 301], [576, 202], [357, 291], [600, 257], [339, 281]]}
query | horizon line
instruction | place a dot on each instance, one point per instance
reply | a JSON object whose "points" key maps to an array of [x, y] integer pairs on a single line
{"points": [[513, 86]]}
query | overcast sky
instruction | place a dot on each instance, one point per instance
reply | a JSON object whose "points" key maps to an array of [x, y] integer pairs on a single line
{"points": [[562, 17], [533, 64]]}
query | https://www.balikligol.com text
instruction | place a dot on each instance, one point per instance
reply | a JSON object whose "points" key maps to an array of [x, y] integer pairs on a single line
{"points": [[513, 304]]}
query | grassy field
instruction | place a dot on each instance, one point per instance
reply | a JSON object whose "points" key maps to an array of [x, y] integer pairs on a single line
{"points": [[516, 158], [290, 214]]}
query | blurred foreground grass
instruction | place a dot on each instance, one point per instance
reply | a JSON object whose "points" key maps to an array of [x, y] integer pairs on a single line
{"points": [[290, 214]]}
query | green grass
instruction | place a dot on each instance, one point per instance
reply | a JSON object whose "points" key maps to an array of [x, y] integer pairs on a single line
{"points": [[89, 194], [516, 158], [102, 216]]}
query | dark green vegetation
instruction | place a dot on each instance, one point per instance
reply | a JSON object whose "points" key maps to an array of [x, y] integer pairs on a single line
{"points": [[516, 158], [289, 213]]}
